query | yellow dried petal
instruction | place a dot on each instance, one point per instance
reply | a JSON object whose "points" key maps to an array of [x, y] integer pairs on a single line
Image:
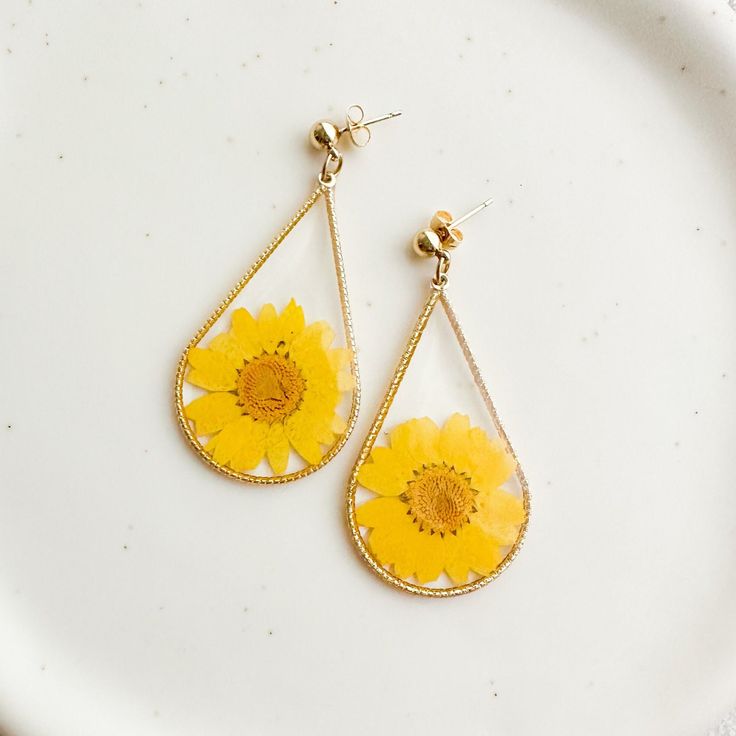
{"points": [[241, 444], [454, 442], [339, 425], [277, 448], [419, 439], [245, 330], [327, 334], [491, 464], [380, 512], [315, 413], [323, 434], [227, 344], [291, 322], [345, 381], [315, 421], [298, 429], [387, 472], [252, 447], [268, 328], [209, 448], [211, 370], [340, 358], [306, 349], [387, 543], [404, 551], [430, 558], [456, 563], [499, 515], [318, 374], [211, 412], [481, 552]]}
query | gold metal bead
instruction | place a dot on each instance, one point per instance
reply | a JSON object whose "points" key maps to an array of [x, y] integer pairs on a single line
{"points": [[324, 134], [426, 243]]}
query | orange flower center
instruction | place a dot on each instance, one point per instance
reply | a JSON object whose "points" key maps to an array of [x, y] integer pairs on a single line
{"points": [[440, 499], [270, 387]]}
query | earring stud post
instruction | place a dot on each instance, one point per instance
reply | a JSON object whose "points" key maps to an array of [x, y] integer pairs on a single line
{"points": [[470, 214], [360, 124], [380, 118]]}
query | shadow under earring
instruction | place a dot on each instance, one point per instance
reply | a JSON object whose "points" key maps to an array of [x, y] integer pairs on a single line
{"points": [[438, 509], [264, 393]]}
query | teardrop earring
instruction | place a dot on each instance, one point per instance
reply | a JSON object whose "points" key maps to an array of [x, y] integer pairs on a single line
{"points": [[270, 398], [434, 510]]}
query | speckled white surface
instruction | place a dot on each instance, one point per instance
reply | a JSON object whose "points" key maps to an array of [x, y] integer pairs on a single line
{"points": [[149, 151]]}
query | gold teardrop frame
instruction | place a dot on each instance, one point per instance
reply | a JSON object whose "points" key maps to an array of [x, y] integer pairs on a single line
{"points": [[437, 294], [328, 192]]}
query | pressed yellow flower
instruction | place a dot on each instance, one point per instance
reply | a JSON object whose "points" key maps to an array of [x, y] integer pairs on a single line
{"points": [[440, 506], [273, 383]]}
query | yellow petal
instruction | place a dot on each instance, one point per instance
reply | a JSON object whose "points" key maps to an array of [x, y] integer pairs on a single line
{"points": [[277, 448], [291, 322], [380, 512], [321, 382], [324, 435], [418, 438], [492, 465], [245, 330], [240, 444], [339, 358], [454, 442], [430, 557], [227, 344], [307, 352], [394, 543], [209, 448], [338, 425], [321, 387], [387, 472], [480, 552], [315, 413], [322, 431], [345, 381], [211, 370], [299, 430], [387, 543], [305, 341], [268, 328], [405, 550], [499, 515], [456, 562], [327, 334], [315, 339], [252, 447], [212, 412]]}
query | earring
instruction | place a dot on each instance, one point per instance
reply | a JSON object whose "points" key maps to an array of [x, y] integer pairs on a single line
{"points": [[262, 394], [438, 510]]}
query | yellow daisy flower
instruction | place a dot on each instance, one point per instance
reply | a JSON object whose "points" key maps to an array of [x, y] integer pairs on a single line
{"points": [[273, 383], [439, 504]]}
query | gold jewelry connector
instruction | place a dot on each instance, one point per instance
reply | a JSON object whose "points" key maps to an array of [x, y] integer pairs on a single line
{"points": [[442, 232], [440, 238], [325, 135]]}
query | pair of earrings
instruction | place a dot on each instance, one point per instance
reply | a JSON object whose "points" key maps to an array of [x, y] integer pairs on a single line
{"points": [[435, 509]]}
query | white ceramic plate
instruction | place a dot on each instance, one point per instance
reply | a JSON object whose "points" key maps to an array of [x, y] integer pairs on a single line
{"points": [[150, 150]]}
